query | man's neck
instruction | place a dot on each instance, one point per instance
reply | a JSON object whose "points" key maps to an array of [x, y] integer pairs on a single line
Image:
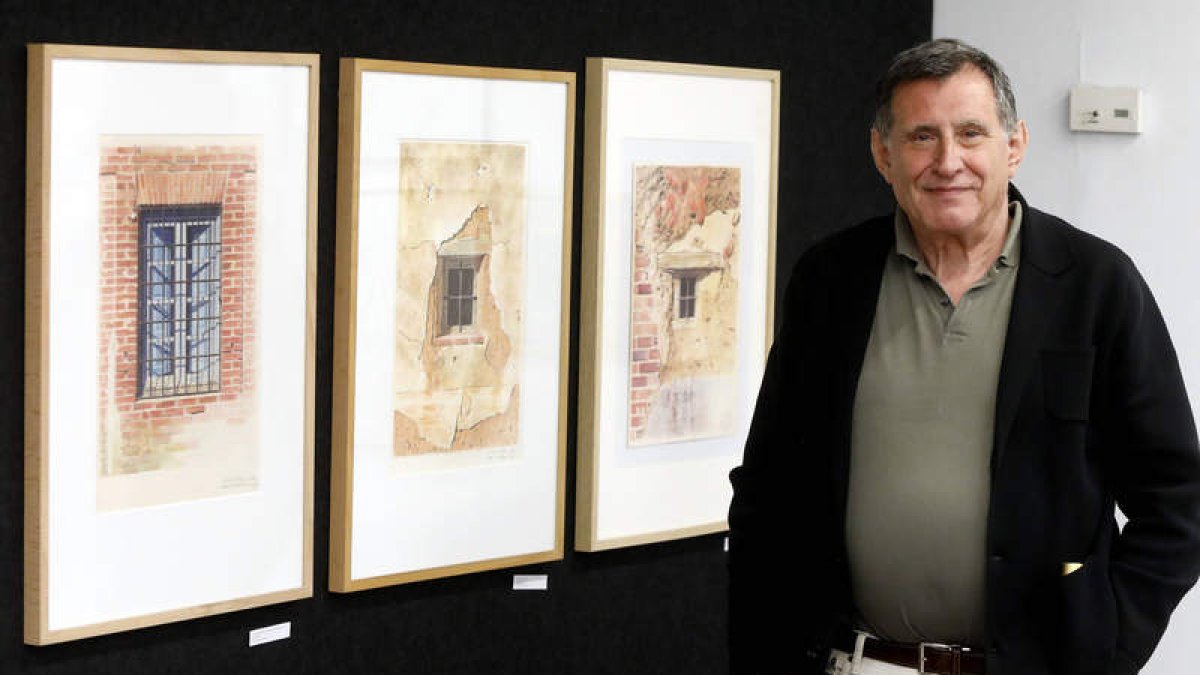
{"points": [[958, 260]]}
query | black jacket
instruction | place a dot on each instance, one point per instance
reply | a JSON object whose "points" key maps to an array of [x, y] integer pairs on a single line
{"points": [[1090, 411]]}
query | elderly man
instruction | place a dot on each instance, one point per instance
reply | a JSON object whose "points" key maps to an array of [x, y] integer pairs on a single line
{"points": [[958, 396]]}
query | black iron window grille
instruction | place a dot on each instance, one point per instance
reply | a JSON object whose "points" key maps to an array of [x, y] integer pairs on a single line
{"points": [[459, 297], [179, 299], [687, 296]]}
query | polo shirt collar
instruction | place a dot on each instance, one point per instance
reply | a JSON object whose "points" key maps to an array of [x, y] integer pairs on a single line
{"points": [[1010, 254]]}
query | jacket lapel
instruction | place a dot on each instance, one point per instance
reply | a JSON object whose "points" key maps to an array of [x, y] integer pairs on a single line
{"points": [[1045, 256], [855, 306]]}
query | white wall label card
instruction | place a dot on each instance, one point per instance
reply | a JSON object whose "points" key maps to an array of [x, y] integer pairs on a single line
{"points": [[280, 631], [530, 582]]}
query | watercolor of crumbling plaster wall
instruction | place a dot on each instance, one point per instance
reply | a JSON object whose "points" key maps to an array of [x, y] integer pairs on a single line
{"points": [[176, 432], [683, 370], [458, 389]]}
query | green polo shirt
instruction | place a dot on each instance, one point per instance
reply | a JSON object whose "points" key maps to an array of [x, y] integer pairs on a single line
{"points": [[921, 445]]}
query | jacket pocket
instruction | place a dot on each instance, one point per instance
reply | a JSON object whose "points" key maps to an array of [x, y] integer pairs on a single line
{"points": [[1067, 381], [1088, 619]]}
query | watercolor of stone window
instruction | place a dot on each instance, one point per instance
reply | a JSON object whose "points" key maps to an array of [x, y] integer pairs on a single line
{"points": [[177, 320], [683, 323], [460, 288]]}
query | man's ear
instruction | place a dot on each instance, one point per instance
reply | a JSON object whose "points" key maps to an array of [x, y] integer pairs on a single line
{"points": [[879, 151], [1018, 140]]}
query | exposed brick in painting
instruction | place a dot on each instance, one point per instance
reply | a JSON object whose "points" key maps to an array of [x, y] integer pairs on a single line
{"points": [[141, 174], [679, 202], [670, 354]]}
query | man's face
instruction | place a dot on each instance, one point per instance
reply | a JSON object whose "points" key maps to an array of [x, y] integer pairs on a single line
{"points": [[947, 156]]}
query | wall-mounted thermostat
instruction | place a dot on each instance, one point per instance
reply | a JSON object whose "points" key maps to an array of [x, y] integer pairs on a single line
{"points": [[1110, 109]]}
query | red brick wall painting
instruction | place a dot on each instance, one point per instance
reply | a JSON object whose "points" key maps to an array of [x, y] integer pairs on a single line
{"points": [[683, 323], [176, 339]]}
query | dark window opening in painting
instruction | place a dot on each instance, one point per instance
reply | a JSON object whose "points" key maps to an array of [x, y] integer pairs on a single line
{"points": [[687, 296], [459, 293], [179, 299]]}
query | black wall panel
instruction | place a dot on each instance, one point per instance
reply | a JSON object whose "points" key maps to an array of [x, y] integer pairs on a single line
{"points": [[649, 609]]}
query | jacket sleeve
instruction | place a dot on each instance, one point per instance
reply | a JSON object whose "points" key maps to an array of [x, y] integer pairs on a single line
{"points": [[1153, 472], [772, 517]]}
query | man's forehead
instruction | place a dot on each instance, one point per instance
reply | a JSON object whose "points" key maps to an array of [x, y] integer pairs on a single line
{"points": [[957, 123], [965, 96], [966, 75]]}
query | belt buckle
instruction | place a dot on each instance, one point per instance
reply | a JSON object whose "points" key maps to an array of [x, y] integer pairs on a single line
{"points": [[955, 651]]}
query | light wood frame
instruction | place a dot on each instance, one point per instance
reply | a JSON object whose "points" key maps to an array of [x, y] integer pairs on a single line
{"points": [[348, 340], [41, 409], [597, 319]]}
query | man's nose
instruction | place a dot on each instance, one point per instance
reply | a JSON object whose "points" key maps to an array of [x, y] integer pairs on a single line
{"points": [[949, 157]]}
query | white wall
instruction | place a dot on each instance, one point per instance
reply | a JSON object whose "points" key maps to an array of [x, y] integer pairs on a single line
{"points": [[1141, 192]]}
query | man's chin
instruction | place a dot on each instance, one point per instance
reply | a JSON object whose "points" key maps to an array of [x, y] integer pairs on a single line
{"points": [[949, 222]]}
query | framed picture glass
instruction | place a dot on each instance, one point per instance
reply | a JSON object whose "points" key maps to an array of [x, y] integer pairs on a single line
{"points": [[451, 327], [169, 335], [677, 286]]}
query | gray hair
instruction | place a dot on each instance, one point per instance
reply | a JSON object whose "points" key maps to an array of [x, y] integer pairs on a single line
{"points": [[937, 60]]}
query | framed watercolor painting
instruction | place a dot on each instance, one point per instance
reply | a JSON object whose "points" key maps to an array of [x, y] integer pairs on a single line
{"points": [[170, 299], [677, 286], [451, 326]]}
